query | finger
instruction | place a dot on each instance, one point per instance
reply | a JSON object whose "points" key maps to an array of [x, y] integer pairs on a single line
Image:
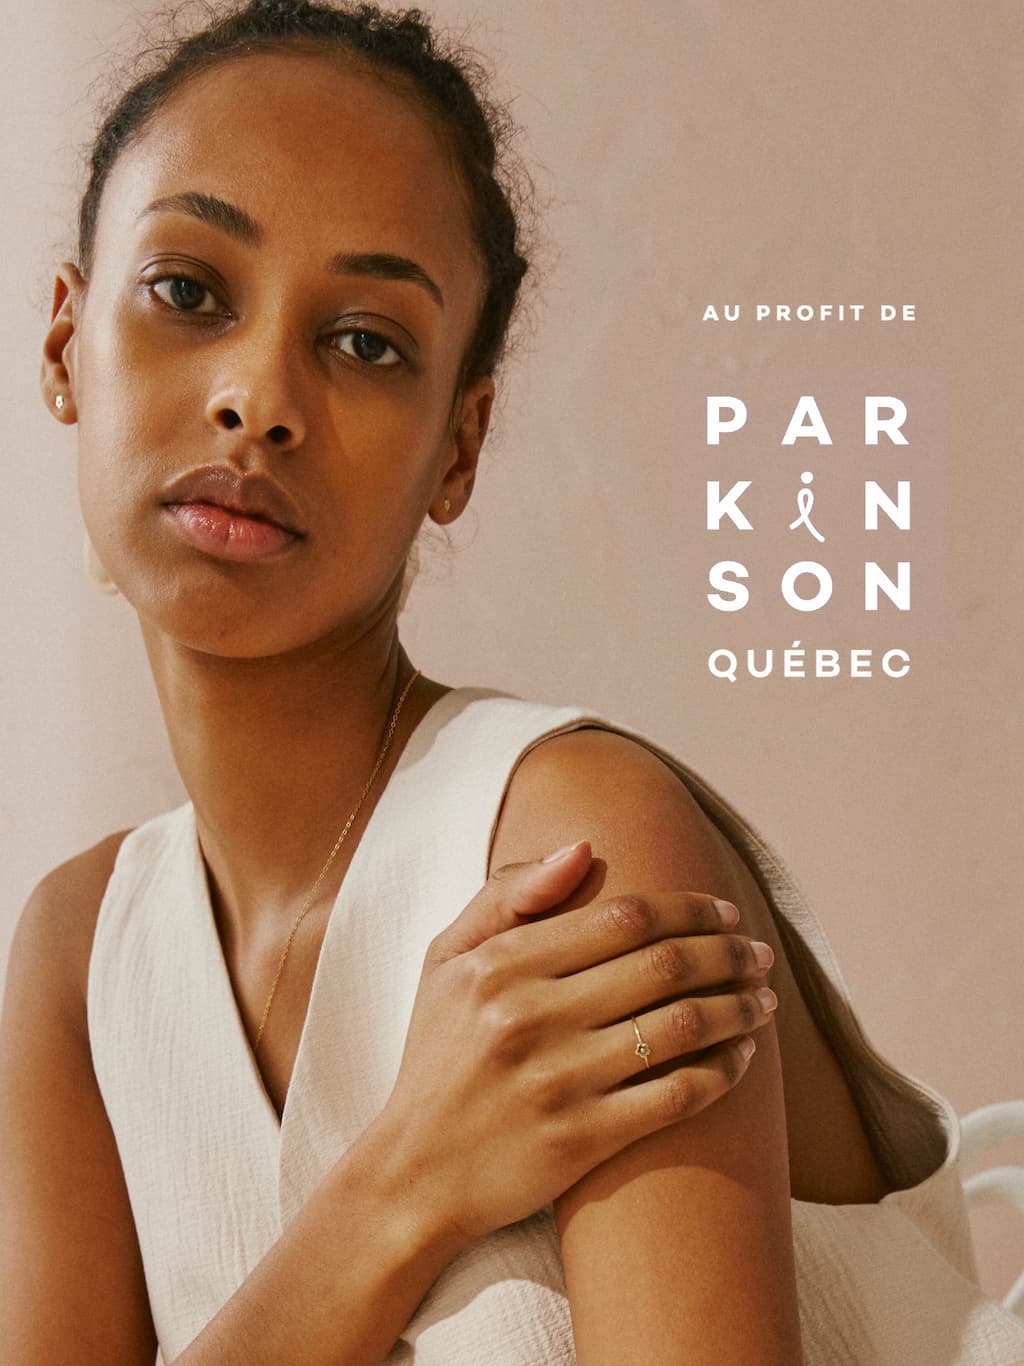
{"points": [[631, 1112], [667, 968], [603, 930], [510, 893], [630, 1047]]}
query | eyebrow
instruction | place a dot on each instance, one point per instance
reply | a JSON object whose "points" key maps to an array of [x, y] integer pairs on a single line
{"points": [[386, 266], [237, 223], [209, 209]]}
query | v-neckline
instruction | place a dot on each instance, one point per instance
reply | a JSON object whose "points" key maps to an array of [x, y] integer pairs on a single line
{"points": [[242, 1048]]}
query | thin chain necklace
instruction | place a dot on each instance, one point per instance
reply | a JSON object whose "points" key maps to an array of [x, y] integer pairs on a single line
{"points": [[388, 737]]}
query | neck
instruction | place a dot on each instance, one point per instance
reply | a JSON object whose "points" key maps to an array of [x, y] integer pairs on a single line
{"points": [[274, 754]]}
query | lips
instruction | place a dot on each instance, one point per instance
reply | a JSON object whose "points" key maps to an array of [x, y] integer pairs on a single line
{"points": [[252, 495]]}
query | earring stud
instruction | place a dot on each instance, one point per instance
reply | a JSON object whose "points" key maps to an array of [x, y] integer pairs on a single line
{"points": [[58, 403], [447, 505]]}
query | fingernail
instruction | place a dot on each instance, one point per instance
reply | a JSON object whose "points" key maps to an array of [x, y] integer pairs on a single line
{"points": [[564, 852], [727, 912], [746, 1045], [763, 955], [766, 999]]}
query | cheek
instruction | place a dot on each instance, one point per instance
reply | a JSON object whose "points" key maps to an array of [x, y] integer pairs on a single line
{"points": [[384, 452], [132, 380], [121, 405], [380, 479], [133, 394]]}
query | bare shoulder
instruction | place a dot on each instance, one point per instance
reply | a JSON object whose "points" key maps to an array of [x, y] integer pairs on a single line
{"points": [[53, 938], [603, 786], [597, 769]]}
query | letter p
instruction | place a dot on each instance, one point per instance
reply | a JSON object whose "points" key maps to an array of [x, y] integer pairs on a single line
{"points": [[719, 404]]}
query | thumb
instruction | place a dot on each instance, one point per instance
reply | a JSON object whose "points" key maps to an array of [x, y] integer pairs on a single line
{"points": [[511, 892]]}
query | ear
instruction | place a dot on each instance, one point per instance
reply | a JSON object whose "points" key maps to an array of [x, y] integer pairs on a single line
{"points": [[57, 377], [469, 428]]}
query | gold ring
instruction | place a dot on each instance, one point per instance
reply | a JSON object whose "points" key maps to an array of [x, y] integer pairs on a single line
{"points": [[642, 1050]]}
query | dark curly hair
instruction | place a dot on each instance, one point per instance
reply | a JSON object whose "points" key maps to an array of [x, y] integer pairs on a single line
{"points": [[399, 46]]}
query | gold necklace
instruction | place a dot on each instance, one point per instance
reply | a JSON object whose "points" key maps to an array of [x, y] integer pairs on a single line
{"points": [[388, 736]]}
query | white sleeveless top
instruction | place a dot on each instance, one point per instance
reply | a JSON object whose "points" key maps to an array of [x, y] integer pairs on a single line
{"points": [[213, 1176]]}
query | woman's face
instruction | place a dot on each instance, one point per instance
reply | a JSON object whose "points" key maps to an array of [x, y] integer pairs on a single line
{"points": [[284, 284]]}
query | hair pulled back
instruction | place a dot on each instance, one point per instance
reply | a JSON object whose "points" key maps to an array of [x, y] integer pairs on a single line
{"points": [[394, 44]]}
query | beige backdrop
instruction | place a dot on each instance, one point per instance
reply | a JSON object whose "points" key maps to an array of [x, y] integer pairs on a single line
{"points": [[791, 152]]}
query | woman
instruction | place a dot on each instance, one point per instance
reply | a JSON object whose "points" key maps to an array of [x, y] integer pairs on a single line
{"points": [[313, 1121]]}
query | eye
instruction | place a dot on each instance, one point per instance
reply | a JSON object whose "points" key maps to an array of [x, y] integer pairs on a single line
{"points": [[369, 347], [183, 293]]}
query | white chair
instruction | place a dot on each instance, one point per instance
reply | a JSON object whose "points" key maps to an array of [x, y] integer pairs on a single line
{"points": [[981, 1130]]}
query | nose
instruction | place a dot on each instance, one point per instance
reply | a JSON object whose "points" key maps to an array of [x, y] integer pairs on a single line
{"points": [[256, 394]]}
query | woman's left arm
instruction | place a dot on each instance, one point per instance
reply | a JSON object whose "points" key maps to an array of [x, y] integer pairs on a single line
{"points": [[678, 1249]]}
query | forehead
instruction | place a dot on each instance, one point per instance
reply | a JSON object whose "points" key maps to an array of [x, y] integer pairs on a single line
{"points": [[311, 146]]}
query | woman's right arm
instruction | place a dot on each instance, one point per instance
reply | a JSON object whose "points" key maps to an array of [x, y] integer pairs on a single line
{"points": [[73, 1288], [491, 1117]]}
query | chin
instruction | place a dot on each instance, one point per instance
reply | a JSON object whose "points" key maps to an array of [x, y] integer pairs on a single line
{"points": [[232, 617]]}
